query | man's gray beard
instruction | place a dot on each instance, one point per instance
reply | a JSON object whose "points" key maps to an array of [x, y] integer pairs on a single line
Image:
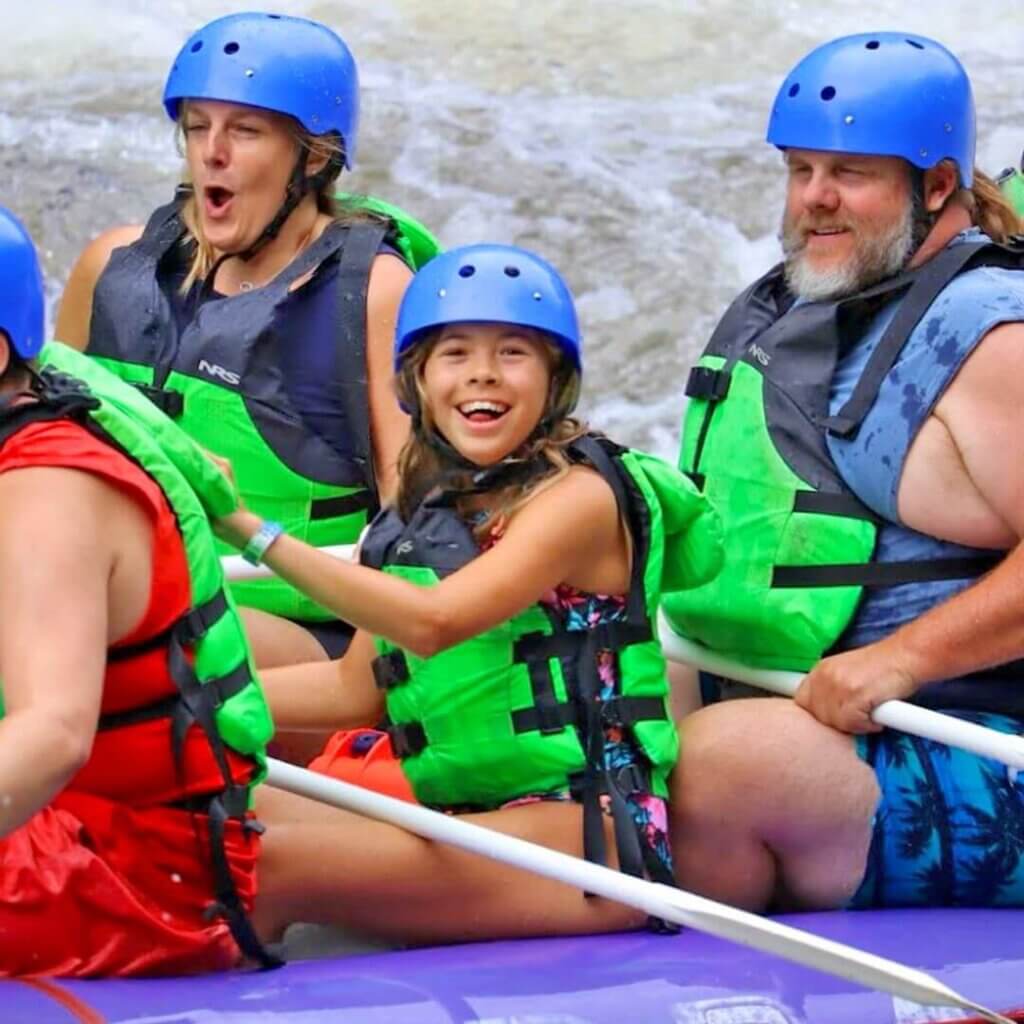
{"points": [[874, 259]]}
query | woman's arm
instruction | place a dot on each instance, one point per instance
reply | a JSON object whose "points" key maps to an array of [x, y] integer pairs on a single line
{"points": [[389, 426], [75, 311], [338, 694], [568, 533]]}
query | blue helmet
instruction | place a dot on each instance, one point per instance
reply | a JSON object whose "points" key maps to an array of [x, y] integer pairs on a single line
{"points": [[21, 287], [499, 284], [879, 94], [289, 65]]}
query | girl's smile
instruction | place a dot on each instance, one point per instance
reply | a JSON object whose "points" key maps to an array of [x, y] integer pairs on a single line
{"points": [[486, 387]]}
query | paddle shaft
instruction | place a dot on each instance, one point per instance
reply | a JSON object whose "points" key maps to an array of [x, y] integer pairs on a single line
{"points": [[654, 899], [896, 714]]}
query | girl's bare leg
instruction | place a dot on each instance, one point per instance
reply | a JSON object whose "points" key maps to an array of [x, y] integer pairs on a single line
{"points": [[328, 866]]}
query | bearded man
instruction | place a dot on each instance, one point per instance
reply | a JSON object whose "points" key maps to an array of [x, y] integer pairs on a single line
{"points": [[856, 419]]}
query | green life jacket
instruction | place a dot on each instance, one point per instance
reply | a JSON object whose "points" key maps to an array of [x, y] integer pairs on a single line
{"points": [[1011, 181], [519, 709], [208, 657], [799, 544], [219, 376]]}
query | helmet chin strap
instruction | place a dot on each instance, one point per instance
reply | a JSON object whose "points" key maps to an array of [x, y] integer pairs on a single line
{"points": [[299, 184], [922, 219]]}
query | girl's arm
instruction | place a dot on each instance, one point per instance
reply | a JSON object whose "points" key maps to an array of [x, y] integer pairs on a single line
{"points": [[568, 533], [326, 694]]}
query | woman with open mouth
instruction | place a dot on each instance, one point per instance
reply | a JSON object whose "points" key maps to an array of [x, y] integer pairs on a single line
{"points": [[257, 310]]}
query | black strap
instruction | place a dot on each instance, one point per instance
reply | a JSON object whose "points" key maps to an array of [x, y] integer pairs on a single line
{"points": [[704, 382], [407, 738], [227, 903], [198, 703], [632, 508], [357, 256], [825, 504], [929, 282], [883, 574], [618, 711], [194, 625], [390, 670], [164, 227], [151, 712], [627, 711], [167, 400], [541, 646], [344, 505], [545, 702], [218, 691], [560, 715], [605, 636]]}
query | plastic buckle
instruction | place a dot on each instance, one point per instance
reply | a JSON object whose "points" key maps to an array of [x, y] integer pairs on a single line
{"points": [[704, 382]]}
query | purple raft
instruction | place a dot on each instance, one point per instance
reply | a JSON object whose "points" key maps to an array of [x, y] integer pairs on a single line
{"points": [[632, 977]]}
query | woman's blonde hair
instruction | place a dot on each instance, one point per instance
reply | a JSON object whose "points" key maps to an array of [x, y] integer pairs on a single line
{"points": [[990, 210], [329, 148], [423, 463]]}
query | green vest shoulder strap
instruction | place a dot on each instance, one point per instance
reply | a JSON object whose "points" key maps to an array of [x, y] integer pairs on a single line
{"points": [[411, 237]]}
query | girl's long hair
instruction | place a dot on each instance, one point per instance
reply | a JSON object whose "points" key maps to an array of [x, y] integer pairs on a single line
{"points": [[423, 464], [329, 147]]}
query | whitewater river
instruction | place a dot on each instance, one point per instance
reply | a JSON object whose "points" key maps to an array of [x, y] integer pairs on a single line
{"points": [[622, 140]]}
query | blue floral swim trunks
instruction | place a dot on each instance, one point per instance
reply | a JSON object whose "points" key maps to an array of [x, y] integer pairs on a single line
{"points": [[949, 826]]}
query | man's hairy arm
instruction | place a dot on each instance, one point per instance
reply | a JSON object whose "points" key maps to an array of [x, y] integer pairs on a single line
{"points": [[982, 626]]}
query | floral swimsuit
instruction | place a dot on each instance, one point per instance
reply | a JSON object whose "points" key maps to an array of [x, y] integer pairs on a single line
{"points": [[579, 611]]}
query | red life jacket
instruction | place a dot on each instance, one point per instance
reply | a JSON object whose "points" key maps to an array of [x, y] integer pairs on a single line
{"points": [[138, 691]]}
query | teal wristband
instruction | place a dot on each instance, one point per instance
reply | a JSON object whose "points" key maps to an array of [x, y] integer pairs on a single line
{"points": [[261, 540]]}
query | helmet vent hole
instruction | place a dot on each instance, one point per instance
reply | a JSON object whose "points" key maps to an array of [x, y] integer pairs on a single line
{"points": [[873, 45], [468, 270], [916, 45], [794, 89], [231, 47], [196, 46], [828, 93], [276, 17], [511, 271]]}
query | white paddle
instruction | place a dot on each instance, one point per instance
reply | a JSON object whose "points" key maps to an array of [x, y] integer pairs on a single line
{"points": [[896, 714], [652, 898]]}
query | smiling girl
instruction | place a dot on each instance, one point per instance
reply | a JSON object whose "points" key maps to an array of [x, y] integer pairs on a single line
{"points": [[508, 599]]}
